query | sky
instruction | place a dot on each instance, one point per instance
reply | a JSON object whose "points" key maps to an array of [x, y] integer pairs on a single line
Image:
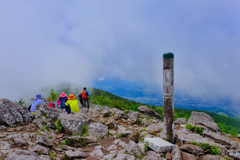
{"points": [[44, 43]]}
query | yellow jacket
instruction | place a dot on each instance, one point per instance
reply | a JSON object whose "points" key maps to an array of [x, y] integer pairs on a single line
{"points": [[73, 103]]}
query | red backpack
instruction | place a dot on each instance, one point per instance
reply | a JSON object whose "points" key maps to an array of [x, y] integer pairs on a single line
{"points": [[52, 105]]}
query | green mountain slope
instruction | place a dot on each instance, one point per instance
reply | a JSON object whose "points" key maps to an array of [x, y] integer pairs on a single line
{"points": [[227, 124]]}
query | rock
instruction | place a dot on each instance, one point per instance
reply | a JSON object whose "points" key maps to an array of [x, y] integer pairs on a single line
{"points": [[96, 109], [122, 144], [20, 141], [133, 116], [97, 129], [112, 132], [203, 119], [151, 155], [135, 136], [44, 140], [11, 129], [234, 153], [190, 148], [31, 127], [176, 153], [211, 157], [122, 156], [22, 155], [12, 115], [91, 118], [112, 147], [238, 136], [105, 113], [111, 124], [98, 152], [146, 110], [52, 113], [187, 156], [3, 128], [72, 124], [124, 133], [59, 136], [116, 111], [45, 157], [133, 148], [180, 121], [153, 128], [142, 147], [110, 156], [51, 126], [4, 145], [38, 123], [159, 145], [38, 148], [168, 156], [219, 139], [76, 154]]}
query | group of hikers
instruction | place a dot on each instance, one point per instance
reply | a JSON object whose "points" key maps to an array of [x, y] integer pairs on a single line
{"points": [[67, 104]]}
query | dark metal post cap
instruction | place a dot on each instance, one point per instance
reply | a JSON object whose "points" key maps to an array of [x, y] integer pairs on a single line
{"points": [[168, 55]]}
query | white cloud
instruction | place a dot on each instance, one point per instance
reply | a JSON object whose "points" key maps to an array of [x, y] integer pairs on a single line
{"points": [[101, 79]]}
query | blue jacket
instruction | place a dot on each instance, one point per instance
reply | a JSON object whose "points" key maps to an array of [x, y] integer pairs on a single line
{"points": [[35, 103]]}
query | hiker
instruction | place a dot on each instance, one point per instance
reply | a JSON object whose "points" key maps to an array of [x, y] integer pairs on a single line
{"points": [[38, 100], [62, 100], [85, 97], [72, 104], [80, 98]]}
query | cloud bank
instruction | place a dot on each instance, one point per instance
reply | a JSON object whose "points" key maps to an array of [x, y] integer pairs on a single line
{"points": [[43, 43]]}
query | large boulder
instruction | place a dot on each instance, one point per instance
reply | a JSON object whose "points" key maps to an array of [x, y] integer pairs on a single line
{"points": [[146, 110], [12, 115], [72, 124], [22, 155], [200, 118], [190, 148], [97, 129], [52, 113]]}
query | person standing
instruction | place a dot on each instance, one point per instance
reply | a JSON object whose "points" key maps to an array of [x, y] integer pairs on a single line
{"points": [[38, 100], [85, 96], [80, 98], [62, 100], [72, 104]]}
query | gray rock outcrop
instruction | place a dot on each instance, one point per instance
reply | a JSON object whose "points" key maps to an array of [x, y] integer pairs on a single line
{"points": [[72, 124], [97, 129], [146, 110], [12, 115], [203, 119], [52, 113]]}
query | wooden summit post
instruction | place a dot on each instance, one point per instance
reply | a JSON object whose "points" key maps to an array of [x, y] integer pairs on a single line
{"points": [[168, 96]]}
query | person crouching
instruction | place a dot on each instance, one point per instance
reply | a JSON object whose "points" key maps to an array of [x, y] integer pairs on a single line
{"points": [[72, 104]]}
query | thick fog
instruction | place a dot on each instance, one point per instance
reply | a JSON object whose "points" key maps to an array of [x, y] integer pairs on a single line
{"points": [[44, 43]]}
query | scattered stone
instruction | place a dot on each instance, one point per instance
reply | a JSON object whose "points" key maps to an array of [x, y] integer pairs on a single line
{"points": [[135, 136], [133, 148], [72, 124], [151, 155], [76, 154], [112, 147], [168, 156], [38, 123], [180, 121], [133, 116], [20, 141], [190, 148], [3, 128], [51, 126], [211, 157], [159, 145], [22, 155], [97, 129], [4, 145], [124, 133], [44, 140], [122, 156], [203, 119], [112, 132], [19, 128], [31, 127], [11, 129], [111, 124], [98, 152], [110, 156], [153, 128], [38, 148], [187, 156], [238, 136], [146, 110], [142, 147], [105, 113], [176, 153], [45, 157], [60, 136], [91, 118]]}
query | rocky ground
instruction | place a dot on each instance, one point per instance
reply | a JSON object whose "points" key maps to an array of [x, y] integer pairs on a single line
{"points": [[107, 133]]}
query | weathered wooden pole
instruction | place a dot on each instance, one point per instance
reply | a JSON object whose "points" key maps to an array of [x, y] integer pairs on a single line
{"points": [[168, 96]]}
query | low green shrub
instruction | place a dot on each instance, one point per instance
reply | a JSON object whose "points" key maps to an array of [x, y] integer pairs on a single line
{"points": [[195, 129]]}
